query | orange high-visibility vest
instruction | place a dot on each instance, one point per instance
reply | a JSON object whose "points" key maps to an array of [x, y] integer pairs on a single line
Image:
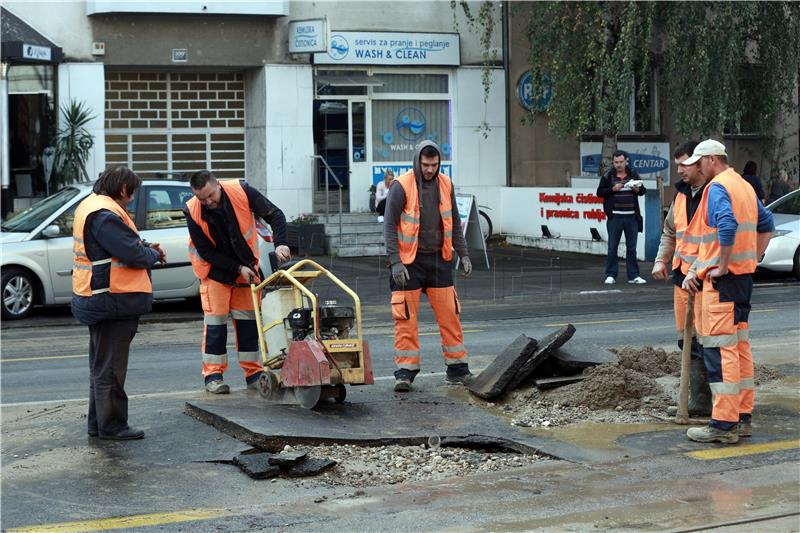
{"points": [[408, 228], [743, 256], [244, 216], [687, 234], [122, 278]]}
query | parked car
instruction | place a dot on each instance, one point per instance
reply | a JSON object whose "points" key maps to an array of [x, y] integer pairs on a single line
{"points": [[783, 250]]}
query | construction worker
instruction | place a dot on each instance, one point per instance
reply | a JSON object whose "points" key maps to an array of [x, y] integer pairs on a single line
{"points": [[678, 248], [223, 248], [110, 289], [734, 230], [422, 226]]}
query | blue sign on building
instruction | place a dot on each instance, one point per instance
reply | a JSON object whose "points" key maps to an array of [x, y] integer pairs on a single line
{"points": [[525, 92]]}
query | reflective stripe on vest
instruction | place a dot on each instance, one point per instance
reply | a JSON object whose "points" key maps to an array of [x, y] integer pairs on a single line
{"points": [[122, 279], [244, 217], [408, 228], [743, 258], [687, 240]]}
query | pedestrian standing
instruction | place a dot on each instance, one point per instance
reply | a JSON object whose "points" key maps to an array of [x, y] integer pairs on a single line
{"points": [[111, 289], [223, 248], [678, 249], [620, 188], [750, 175], [422, 227], [734, 230]]}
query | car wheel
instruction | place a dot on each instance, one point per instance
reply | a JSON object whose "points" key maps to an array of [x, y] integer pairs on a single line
{"points": [[19, 293], [796, 268]]}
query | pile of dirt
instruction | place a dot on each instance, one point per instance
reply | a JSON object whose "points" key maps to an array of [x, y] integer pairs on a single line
{"points": [[765, 374], [609, 386], [652, 362]]}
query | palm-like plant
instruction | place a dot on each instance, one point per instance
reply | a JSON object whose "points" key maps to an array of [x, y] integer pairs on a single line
{"points": [[73, 144]]}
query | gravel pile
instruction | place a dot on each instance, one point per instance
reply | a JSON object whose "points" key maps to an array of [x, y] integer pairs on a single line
{"points": [[386, 465]]}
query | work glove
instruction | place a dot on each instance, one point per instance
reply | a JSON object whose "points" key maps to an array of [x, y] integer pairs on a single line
{"points": [[400, 274], [467, 265]]}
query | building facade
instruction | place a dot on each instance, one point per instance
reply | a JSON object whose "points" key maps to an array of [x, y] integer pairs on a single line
{"points": [[176, 87]]}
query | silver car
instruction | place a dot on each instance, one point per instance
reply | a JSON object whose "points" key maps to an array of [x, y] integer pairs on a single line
{"points": [[783, 250], [37, 246]]}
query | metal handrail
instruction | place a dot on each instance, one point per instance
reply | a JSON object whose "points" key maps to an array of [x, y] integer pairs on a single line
{"points": [[330, 174]]}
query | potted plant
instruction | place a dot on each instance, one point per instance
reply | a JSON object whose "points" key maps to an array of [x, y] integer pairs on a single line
{"points": [[307, 234], [73, 144]]}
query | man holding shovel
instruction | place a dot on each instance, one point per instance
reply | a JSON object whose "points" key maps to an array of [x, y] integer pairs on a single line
{"points": [[678, 248]]}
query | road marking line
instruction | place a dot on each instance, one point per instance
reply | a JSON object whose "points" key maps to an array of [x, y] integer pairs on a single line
{"points": [[747, 449], [600, 292], [595, 322], [104, 524], [42, 358], [762, 310], [431, 333]]}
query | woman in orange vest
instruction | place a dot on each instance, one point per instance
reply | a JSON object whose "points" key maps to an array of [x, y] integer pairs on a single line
{"points": [[422, 227], [223, 248], [111, 289]]}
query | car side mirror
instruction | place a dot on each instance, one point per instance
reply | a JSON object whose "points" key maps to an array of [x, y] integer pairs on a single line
{"points": [[51, 231]]}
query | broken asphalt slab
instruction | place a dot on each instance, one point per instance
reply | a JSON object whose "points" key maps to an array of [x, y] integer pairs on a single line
{"points": [[374, 416], [546, 347], [492, 381]]}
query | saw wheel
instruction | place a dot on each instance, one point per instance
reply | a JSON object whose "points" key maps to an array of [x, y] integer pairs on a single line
{"points": [[308, 397], [268, 385]]}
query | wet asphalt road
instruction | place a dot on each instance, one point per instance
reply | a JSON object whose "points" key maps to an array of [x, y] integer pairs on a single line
{"points": [[52, 474]]}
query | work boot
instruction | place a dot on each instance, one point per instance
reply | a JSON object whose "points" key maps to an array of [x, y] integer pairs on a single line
{"points": [[699, 391], [402, 385], [712, 434], [217, 386], [252, 381], [745, 430], [458, 375]]}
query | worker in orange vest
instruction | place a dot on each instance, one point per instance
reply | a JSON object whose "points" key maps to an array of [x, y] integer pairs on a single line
{"points": [[110, 289], [223, 249], [678, 249], [422, 226], [734, 230]]}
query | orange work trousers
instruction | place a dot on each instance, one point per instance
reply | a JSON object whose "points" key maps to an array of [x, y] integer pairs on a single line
{"points": [[433, 275], [219, 300], [725, 337]]}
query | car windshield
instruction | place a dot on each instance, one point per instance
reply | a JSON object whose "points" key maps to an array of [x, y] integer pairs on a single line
{"points": [[30, 219], [788, 205]]}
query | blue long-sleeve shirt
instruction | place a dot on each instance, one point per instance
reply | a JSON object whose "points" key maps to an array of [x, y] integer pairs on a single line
{"points": [[720, 215]]}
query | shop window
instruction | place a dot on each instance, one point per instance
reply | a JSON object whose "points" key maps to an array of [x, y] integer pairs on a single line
{"points": [[398, 125], [341, 82], [642, 109], [411, 83], [359, 131]]}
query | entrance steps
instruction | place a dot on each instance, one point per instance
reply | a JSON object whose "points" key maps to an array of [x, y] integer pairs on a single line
{"points": [[361, 235]]}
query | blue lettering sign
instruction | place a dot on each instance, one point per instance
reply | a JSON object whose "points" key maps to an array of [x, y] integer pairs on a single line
{"points": [[525, 92]]}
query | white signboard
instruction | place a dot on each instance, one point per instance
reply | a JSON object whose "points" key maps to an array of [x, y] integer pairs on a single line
{"points": [[471, 226], [391, 48], [649, 159], [399, 169], [308, 36], [31, 51], [568, 213]]}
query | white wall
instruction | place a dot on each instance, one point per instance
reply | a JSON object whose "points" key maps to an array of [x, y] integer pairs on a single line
{"points": [[85, 82], [523, 212], [63, 22], [289, 137], [479, 166]]}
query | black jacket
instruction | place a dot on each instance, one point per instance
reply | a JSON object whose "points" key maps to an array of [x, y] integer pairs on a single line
{"points": [[231, 250], [604, 191], [106, 235]]}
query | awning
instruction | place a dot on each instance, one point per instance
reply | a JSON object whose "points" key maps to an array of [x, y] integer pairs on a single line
{"points": [[21, 43]]}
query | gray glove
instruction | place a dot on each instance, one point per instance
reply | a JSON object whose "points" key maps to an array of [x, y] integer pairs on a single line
{"points": [[400, 274], [467, 265]]}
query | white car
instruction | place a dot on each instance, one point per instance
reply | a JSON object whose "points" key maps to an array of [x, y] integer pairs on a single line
{"points": [[783, 250], [37, 246]]}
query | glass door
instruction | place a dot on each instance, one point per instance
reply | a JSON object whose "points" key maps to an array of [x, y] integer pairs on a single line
{"points": [[360, 174]]}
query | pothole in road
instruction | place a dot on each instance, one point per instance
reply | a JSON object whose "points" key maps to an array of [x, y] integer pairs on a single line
{"points": [[358, 466]]}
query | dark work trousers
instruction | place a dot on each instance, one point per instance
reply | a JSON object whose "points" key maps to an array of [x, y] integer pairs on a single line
{"points": [[615, 226], [381, 207], [109, 345]]}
